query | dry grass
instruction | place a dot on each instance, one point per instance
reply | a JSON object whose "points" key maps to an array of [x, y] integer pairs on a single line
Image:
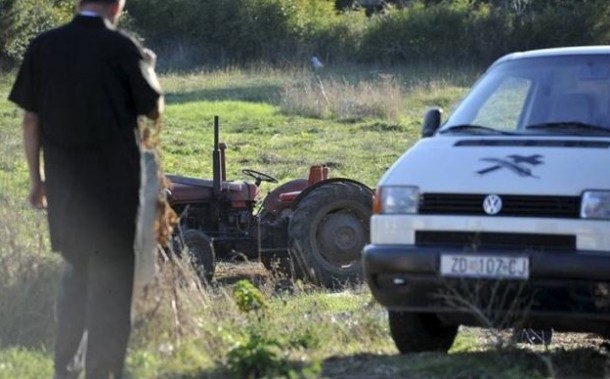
{"points": [[317, 97], [174, 311], [29, 278], [495, 305]]}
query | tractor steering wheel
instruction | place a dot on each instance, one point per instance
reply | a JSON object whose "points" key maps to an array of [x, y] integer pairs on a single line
{"points": [[259, 176]]}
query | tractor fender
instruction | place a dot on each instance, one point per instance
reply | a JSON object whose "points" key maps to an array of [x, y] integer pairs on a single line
{"points": [[272, 203], [307, 190]]}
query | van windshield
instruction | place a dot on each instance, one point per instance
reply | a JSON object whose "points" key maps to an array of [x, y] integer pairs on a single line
{"points": [[543, 95]]}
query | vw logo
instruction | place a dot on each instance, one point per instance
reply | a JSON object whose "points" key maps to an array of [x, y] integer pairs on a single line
{"points": [[492, 204]]}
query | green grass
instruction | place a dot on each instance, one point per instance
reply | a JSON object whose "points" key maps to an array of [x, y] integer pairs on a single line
{"points": [[261, 136], [183, 332], [22, 363]]}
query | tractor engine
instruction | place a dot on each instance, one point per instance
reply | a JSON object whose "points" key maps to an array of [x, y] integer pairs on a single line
{"points": [[228, 213]]}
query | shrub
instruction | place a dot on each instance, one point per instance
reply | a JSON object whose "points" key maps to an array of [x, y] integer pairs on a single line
{"points": [[258, 356], [22, 20], [572, 24], [235, 30], [191, 32], [448, 32], [337, 39], [247, 297], [262, 351]]}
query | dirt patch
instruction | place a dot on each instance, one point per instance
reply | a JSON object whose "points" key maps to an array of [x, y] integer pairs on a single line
{"points": [[570, 355], [228, 272]]}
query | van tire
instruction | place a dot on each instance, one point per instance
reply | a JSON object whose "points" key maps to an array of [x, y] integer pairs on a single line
{"points": [[419, 332]]}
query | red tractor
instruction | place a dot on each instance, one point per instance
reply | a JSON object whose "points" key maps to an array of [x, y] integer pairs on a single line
{"points": [[312, 229]]}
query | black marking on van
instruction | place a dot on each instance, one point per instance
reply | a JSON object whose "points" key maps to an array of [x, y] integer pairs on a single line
{"points": [[519, 164]]}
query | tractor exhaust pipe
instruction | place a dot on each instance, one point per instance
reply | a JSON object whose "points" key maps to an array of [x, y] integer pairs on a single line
{"points": [[216, 161], [223, 171]]}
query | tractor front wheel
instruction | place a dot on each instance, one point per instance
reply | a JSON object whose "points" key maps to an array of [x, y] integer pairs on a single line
{"points": [[200, 253], [327, 232]]}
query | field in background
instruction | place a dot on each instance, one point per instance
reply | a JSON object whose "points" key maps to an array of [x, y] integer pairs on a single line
{"points": [[357, 120]]}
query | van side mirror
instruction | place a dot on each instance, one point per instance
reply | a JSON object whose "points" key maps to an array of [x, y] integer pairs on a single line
{"points": [[432, 121]]}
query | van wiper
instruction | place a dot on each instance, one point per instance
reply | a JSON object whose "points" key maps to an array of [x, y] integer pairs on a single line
{"points": [[473, 128], [572, 126]]}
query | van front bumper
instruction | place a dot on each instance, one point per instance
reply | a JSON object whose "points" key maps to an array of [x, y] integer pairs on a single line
{"points": [[562, 286]]}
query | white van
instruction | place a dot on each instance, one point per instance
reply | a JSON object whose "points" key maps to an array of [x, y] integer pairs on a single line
{"points": [[501, 216]]}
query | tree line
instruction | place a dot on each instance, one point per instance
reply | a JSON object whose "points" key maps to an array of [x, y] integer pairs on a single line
{"points": [[196, 32]]}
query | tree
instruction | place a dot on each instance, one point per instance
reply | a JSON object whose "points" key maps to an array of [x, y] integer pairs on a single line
{"points": [[22, 20]]}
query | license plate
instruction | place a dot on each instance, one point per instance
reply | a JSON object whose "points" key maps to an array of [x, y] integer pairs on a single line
{"points": [[484, 266]]}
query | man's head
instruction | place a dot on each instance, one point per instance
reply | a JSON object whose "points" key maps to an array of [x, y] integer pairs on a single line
{"points": [[110, 9]]}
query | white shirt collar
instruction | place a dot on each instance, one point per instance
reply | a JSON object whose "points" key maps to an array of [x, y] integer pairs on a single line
{"points": [[89, 14]]}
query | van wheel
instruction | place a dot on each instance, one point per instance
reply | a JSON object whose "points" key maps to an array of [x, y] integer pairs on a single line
{"points": [[419, 332]]}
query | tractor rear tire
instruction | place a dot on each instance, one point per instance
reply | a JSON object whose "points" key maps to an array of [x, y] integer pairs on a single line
{"points": [[327, 232], [201, 253], [419, 332]]}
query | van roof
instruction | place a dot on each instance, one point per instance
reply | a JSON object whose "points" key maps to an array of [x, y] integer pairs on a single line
{"points": [[559, 51]]}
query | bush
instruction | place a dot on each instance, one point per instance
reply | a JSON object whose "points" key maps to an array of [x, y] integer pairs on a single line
{"points": [[337, 39], [236, 30], [259, 356], [247, 297], [261, 353], [192, 32], [569, 25], [166, 19], [446, 33], [22, 20]]}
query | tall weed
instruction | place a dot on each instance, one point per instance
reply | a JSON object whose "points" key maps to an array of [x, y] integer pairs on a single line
{"points": [[29, 273], [29, 278], [317, 97]]}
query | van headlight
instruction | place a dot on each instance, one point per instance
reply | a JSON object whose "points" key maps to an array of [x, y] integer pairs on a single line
{"points": [[396, 200], [595, 204]]}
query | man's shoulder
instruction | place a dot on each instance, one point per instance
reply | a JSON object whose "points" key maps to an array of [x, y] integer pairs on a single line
{"points": [[124, 40], [49, 34]]}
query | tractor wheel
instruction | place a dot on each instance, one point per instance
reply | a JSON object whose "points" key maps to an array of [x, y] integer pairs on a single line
{"points": [[327, 232], [419, 332], [201, 253]]}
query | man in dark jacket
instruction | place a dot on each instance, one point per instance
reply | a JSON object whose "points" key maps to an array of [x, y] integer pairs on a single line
{"points": [[82, 87]]}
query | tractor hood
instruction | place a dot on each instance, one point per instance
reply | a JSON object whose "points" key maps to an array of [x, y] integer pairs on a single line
{"points": [[187, 190], [516, 165]]}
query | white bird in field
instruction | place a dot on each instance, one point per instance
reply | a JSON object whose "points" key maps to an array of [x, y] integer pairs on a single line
{"points": [[316, 64]]}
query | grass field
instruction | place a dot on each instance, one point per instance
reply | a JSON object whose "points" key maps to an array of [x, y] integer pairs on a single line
{"points": [[357, 120]]}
